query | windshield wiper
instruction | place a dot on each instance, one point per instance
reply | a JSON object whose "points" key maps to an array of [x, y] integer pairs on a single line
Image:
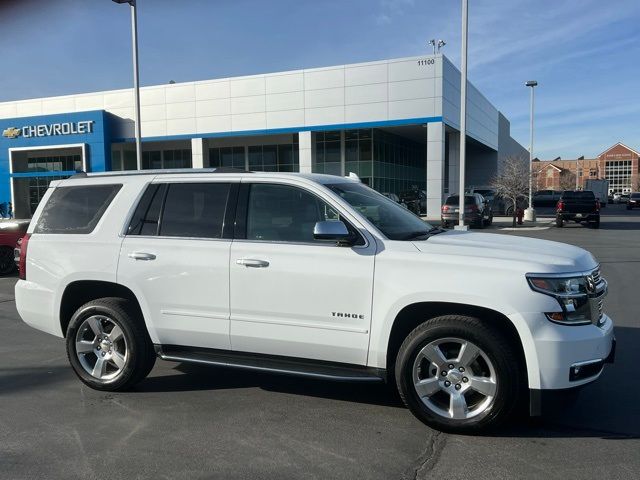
{"points": [[423, 233]]}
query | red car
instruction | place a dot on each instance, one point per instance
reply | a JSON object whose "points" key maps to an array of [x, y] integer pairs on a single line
{"points": [[10, 232]]}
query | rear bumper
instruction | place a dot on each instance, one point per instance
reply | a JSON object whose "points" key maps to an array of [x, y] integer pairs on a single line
{"points": [[35, 306], [453, 217], [586, 217]]}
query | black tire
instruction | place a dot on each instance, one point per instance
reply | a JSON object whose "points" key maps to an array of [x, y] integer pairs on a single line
{"points": [[596, 224], [490, 221], [140, 357], [509, 378], [559, 222], [509, 211], [7, 261]]}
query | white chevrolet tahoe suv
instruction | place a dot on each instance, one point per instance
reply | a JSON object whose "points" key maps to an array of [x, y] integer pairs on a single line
{"points": [[312, 275]]}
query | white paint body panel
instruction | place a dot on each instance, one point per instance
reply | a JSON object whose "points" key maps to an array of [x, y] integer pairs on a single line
{"points": [[195, 293]]}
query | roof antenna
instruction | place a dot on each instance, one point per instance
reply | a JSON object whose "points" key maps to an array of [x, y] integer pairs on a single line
{"points": [[354, 177]]}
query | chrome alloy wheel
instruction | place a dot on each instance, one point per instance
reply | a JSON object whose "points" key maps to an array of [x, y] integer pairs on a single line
{"points": [[101, 347], [454, 378]]}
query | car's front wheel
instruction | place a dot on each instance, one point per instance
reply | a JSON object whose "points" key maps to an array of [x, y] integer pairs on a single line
{"points": [[457, 374], [108, 345]]}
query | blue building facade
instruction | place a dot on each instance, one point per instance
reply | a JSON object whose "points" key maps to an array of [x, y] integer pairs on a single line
{"points": [[35, 150]]}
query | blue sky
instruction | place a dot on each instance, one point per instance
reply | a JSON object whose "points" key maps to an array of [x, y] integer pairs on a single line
{"points": [[585, 54]]}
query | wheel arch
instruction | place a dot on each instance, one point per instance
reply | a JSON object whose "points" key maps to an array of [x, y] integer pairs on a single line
{"points": [[79, 292], [412, 315]]}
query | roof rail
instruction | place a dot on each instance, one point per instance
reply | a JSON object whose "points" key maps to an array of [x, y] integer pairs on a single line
{"points": [[168, 171]]}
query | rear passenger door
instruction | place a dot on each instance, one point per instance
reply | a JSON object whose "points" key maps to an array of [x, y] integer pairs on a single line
{"points": [[175, 257]]}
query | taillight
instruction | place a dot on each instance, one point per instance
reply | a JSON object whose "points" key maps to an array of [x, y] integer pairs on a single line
{"points": [[560, 205], [445, 208], [597, 206], [22, 265]]}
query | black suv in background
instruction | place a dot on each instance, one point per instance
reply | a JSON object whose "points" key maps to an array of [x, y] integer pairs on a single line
{"points": [[477, 211], [415, 200], [634, 201], [578, 206], [546, 198]]}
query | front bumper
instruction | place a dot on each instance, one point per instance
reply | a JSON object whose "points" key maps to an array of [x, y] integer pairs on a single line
{"points": [[560, 348]]}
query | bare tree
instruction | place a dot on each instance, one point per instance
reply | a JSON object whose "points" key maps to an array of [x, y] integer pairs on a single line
{"points": [[567, 180], [512, 183]]}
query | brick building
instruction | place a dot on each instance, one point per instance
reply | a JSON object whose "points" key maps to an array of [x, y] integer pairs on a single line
{"points": [[618, 164]]}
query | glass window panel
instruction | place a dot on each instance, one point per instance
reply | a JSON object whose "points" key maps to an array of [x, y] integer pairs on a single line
{"points": [[74, 210], [194, 210], [283, 213], [255, 157]]}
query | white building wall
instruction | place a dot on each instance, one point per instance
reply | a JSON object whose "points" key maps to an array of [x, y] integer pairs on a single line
{"points": [[482, 116], [387, 90]]}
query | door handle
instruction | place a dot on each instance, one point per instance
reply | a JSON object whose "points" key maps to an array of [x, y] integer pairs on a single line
{"points": [[251, 262], [142, 256]]}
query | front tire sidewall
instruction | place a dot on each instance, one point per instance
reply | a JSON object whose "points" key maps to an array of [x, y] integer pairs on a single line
{"points": [[133, 347], [507, 378]]}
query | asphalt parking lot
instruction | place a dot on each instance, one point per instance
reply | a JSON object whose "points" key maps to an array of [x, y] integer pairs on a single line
{"points": [[187, 422]]}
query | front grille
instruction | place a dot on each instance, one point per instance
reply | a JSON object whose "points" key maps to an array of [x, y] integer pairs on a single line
{"points": [[595, 280]]}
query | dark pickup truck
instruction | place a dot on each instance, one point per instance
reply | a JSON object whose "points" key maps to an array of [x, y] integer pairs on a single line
{"points": [[579, 206]]}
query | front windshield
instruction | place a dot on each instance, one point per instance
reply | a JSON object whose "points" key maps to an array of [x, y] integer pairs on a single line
{"points": [[393, 220]]}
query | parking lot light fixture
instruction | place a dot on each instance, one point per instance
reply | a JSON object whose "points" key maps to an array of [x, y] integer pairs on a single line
{"points": [[530, 213], [136, 79]]}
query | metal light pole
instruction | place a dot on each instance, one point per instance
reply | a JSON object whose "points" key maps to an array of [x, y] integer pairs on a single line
{"points": [[530, 213], [136, 78], [463, 114]]}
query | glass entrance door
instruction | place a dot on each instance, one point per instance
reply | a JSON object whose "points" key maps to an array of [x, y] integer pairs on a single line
{"points": [[33, 170]]}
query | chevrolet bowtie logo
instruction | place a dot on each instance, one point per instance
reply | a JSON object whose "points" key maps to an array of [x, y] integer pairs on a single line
{"points": [[11, 132]]}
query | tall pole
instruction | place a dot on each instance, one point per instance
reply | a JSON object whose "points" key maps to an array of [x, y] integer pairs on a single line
{"points": [[136, 83], [531, 148], [463, 114], [530, 213]]}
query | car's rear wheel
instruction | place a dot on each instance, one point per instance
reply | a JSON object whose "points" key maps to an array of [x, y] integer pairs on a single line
{"points": [[108, 345], [7, 261], [456, 374]]}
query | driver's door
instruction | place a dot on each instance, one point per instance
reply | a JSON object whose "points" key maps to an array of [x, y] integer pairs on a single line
{"points": [[290, 294]]}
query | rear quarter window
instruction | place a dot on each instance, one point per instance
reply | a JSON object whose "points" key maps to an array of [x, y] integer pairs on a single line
{"points": [[579, 195], [75, 210]]}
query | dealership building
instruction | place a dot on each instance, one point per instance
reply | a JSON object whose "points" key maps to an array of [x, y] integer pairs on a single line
{"points": [[392, 122]]}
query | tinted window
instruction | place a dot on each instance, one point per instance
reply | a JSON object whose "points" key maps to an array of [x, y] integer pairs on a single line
{"points": [[145, 219], [455, 200], [75, 209], [635, 195], [284, 213], [586, 195], [194, 210], [394, 221]]}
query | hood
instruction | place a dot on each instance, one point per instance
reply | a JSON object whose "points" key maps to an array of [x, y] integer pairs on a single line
{"points": [[530, 254]]}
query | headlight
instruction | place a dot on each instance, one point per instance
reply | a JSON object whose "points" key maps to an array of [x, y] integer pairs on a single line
{"points": [[572, 295]]}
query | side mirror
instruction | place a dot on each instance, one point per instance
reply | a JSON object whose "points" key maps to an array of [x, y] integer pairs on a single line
{"points": [[332, 231]]}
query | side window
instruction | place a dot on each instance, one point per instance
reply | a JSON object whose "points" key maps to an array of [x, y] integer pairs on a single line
{"points": [[75, 210], [194, 210], [284, 213], [147, 214]]}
